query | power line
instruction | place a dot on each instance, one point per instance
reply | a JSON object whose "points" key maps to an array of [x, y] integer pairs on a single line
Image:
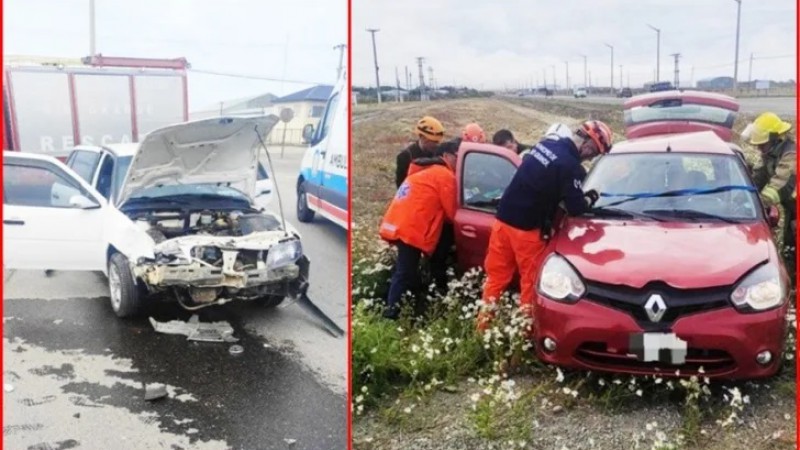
{"points": [[251, 77]]}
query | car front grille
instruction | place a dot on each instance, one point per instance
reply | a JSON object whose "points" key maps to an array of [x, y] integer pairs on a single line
{"points": [[679, 302], [712, 362]]}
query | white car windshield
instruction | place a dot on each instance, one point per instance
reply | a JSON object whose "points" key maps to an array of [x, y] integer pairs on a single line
{"points": [[161, 192], [678, 186]]}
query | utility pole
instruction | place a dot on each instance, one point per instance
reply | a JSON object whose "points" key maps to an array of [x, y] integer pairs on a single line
{"points": [[658, 52], [590, 82], [544, 77], [612, 67], [341, 48], [375, 54], [92, 48], [620, 76], [397, 79], [585, 78], [422, 95], [430, 78], [750, 71], [554, 78], [736, 61], [677, 72], [567, 64], [408, 80]]}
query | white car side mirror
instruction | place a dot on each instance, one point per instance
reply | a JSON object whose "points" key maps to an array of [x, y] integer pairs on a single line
{"points": [[83, 202]]}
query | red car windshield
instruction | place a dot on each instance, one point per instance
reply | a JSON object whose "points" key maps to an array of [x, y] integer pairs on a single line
{"points": [[683, 186]]}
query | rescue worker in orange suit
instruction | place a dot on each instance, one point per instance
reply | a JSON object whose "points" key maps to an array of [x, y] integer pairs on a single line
{"points": [[415, 219], [430, 133], [549, 174], [438, 260]]}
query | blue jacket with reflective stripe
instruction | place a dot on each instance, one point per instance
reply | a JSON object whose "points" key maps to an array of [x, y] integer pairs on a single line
{"points": [[550, 173]]}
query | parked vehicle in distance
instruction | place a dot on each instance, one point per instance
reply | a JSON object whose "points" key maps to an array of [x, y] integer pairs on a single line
{"points": [[631, 287], [624, 92], [579, 92], [661, 86]]}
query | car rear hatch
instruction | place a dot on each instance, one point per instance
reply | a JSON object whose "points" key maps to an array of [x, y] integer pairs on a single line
{"points": [[680, 112]]}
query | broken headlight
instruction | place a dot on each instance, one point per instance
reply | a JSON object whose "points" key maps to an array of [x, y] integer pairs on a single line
{"points": [[283, 254], [760, 290]]}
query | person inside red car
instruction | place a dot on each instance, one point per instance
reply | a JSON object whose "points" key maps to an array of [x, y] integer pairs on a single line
{"points": [[415, 217], [549, 174], [505, 138]]}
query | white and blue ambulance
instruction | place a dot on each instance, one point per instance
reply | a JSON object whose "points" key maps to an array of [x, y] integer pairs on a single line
{"points": [[322, 185]]}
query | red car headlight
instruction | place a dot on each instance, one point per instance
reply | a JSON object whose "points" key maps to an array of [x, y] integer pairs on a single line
{"points": [[759, 290], [559, 281]]}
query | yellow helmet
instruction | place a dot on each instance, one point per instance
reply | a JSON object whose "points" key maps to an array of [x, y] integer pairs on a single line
{"points": [[764, 125], [430, 128]]}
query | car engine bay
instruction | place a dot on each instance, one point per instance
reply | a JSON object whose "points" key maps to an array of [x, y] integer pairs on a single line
{"points": [[161, 225]]}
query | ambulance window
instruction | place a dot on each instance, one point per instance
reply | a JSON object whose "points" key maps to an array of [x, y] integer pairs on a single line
{"points": [[327, 121], [484, 178]]}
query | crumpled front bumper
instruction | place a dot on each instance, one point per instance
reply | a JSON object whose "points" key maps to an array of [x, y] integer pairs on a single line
{"points": [[196, 274]]}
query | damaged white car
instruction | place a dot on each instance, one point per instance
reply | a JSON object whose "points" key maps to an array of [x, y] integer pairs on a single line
{"points": [[185, 225]]}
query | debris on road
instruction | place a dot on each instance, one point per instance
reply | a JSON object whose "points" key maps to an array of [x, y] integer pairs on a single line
{"points": [[196, 330], [290, 441], [236, 350], [154, 391], [58, 321]]}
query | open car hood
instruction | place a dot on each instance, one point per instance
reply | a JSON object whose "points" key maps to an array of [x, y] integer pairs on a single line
{"points": [[222, 150]]}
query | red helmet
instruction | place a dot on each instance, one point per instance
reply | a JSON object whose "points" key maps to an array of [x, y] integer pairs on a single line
{"points": [[473, 133], [598, 132]]}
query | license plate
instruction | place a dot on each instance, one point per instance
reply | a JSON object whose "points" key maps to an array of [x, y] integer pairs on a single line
{"points": [[666, 348]]}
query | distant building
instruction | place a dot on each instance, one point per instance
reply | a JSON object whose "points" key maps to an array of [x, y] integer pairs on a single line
{"points": [[245, 106], [394, 93], [308, 106], [715, 83]]}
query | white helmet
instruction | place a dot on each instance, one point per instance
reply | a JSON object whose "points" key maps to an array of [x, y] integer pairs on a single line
{"points": [[558, 131]]}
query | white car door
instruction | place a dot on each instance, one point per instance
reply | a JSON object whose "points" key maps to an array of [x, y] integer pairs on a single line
{"points": [[52, 219]]}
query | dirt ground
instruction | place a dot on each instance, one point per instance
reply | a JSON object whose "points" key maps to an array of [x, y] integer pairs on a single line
{"points": [[441, 421]]}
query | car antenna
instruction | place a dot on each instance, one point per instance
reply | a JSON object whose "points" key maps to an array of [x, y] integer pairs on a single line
{"points": [[275, 180]]}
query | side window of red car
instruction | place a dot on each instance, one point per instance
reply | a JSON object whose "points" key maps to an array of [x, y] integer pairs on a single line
{"points": [[484, 178]]}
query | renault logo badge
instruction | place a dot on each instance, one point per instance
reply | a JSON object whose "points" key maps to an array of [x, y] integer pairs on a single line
{"points": [[655, 308]]}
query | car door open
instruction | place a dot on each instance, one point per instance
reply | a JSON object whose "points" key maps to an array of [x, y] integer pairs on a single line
{"points": [[52, 220], [482, 174]]}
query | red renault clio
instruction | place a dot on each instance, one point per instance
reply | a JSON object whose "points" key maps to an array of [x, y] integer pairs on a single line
{"points": [[674, 272]]}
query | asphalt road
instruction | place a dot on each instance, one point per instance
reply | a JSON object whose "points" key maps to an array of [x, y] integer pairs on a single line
{"points": [[783, 106], [74, 374]]}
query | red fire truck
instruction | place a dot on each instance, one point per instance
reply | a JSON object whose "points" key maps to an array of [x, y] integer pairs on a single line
{"points": [[52, 105]]}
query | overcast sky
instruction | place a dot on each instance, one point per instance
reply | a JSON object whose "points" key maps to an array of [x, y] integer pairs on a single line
{"points": [[235, 36], [470, 42]]}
